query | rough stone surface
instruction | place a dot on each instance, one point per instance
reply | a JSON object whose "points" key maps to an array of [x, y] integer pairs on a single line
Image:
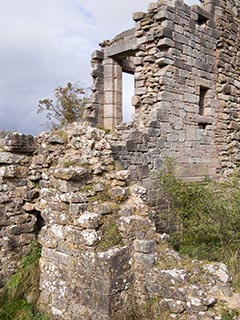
{"points": [[85, 194], [101, 255], [186, 99]]}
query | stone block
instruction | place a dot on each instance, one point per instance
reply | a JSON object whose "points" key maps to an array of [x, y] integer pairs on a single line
{"points": [[143, 171], [121, 47], [97, 54], [145, 246], [71, 173], [88, 220], [54, 256], [19, 143], [146, 260], [118, 194], [164, 61], [158, 164], [10, 158], [138, 16], [135, 101], [154, 132], [165, 43], [131, 145], [152, 6]]}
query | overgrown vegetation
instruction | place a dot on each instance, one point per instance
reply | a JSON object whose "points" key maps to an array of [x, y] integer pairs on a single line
{"points": [[23, 286], [229, 315], [68, 105], [111, 236], [206, 218]]}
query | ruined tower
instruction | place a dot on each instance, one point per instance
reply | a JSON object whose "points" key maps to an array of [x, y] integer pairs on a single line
{"points": [[185, 62]]}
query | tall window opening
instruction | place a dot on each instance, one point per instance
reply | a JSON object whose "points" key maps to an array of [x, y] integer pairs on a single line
{"points": [[127, 94], [203, 95], [202, 99]]}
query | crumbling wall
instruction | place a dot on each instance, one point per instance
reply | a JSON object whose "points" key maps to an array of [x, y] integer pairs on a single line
{"points": [[101, 255], [91, 219], [174, 57], [18, 218], [228, 83]]}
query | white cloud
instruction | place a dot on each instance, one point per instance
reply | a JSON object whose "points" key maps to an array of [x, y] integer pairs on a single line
{"points": [[47, 43]]}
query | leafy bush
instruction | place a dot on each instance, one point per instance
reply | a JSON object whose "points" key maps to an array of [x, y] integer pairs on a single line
{"points": [[206, 217], [68, 105]]}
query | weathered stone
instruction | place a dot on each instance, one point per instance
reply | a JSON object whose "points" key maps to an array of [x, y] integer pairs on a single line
{"points": [[89, 220], [145, 246], [138, 15], [118, 194], [219, 271], [100, 255], [16, 142], [76, 173]]}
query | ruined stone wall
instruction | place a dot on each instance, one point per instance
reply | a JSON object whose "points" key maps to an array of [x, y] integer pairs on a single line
{"points": [[101, 258], [186, 69], [101, 255], [228, 83], [92, 217], [175, 70], [18, 218]]}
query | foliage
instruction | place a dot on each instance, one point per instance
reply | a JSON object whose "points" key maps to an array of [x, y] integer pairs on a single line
{"points": [[229, 315], [110, 234], [13, 303], [206, 216], [68, 105]]}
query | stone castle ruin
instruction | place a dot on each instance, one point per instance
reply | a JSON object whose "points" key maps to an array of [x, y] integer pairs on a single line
{"points": [[86, 195], [185, 62]]}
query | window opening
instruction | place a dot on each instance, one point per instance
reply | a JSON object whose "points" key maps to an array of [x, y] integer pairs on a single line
{"points": [[201, 20], [202, 125], [202, 104], [202, 99], [127, 93]]}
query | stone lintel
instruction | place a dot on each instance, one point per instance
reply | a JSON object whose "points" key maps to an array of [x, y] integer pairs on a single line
{"points": [[121, 49], [201, 11]]}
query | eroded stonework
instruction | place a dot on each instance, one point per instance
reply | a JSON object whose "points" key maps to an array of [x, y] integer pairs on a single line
{"points": [[102, 257], [18, 221], [186, 71], [85, 194]]}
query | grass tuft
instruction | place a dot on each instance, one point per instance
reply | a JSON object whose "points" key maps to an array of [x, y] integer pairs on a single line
{"points": [[13, 301]]}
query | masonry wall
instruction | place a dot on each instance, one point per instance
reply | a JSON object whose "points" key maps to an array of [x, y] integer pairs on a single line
{"points": [[101, 255], [18, 216], [228, 84], [176, 94], [186, 71]]}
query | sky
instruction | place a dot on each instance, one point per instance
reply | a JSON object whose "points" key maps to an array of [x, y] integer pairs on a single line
{"points": [[45, 44]]}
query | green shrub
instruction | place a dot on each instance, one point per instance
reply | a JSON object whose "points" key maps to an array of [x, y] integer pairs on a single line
{"points": [[206, 217], [229, 315], [13, 303]]}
